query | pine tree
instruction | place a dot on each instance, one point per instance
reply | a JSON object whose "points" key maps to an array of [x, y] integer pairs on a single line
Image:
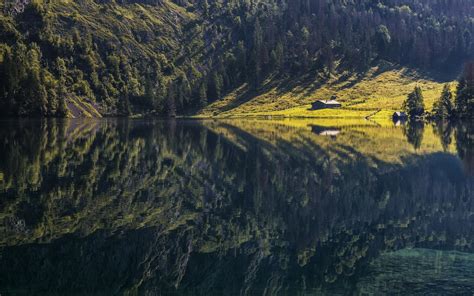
{"points": [[62, 110], [50, 85], [36, 101], [256, 73], [149, 91], [461, 98], [171, 100], [242, 58], [217, 86], [184, 91], [61, 69], [414, 105], [203, 95], [124, 104], [465, 93], [383, 38], [277, 56], [443, 108]]}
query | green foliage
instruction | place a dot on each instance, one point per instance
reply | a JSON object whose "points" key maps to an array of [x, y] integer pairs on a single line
{"points": [[383, 38], [443, 108], [203, 95], [170, 100], [465, 93], [115, 50], [124, 105], [257, 56], [414, 104]]}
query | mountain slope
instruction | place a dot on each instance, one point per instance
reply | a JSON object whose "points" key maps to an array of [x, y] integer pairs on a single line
{"points": [[100, 58]]}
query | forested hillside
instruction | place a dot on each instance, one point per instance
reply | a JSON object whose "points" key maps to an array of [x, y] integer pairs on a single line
{"points": [[158, 57]]}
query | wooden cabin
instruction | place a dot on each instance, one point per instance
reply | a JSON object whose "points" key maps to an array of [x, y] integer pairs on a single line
{"points": [[325, 104], [399, 116]]}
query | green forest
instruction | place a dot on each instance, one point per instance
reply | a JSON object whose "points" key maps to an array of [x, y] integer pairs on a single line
{"points": [[168, 58]]}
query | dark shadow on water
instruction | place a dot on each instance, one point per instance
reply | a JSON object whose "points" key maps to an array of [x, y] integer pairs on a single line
{"points": [[182, 208]]}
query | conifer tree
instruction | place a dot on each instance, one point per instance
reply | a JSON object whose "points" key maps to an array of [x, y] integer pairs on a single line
{"points": [[171, 100], [203, 95], [124, 104], [465, 93], [217, 86], [256, 73], [61, 69], [242, 60], [149, 91], [414, 105], [277, 56], [62, 110], [443, 108]]}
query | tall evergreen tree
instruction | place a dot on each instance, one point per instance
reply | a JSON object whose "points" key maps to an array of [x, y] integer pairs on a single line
{"points": [[465, 93], [383, 39], [216, 86], [277, 56], [443, 108], [124, 104], [60, 67], [414, 105], [62, 105], [256, 74], [203, 95], [171, 100]]}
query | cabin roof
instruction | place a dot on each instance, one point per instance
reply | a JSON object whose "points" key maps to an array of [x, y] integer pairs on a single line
{"points": [[399, 113], [328, 102]]}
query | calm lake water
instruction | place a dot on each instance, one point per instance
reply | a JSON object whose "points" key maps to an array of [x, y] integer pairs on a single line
{"points": [[236, 207]]}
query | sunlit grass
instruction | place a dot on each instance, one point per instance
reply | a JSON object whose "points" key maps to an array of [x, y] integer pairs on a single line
{"points": [[378, 91], [305, 111]]}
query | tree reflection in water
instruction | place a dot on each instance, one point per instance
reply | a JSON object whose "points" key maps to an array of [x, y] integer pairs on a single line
{"points": [[159, 207], [414, 131]]}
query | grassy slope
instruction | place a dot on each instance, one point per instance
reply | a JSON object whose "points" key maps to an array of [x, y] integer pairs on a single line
{"points": [[377, 93]]}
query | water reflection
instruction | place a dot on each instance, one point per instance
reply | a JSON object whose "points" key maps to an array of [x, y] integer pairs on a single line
{"points": [[465, 145], [414, 132], [234, 207], [444, 130]]}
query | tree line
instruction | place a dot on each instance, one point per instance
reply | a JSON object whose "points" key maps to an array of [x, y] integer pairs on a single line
{"points": [[448, 106]]}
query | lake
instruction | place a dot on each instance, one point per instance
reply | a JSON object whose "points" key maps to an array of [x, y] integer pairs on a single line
{"points": [[236, 207]]}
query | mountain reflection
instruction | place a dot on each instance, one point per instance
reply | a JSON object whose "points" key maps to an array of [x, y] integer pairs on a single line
{"points": [[198, 208]]}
